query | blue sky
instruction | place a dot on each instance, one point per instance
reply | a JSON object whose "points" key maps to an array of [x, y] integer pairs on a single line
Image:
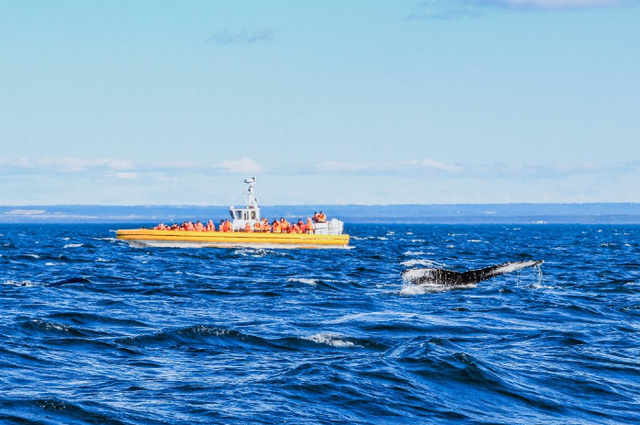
{"points": [[359, 101]]}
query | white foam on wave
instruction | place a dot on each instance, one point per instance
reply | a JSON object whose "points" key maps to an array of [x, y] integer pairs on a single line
{"points": [[413, 274], [408, 253], [382, 238], [73, 245], [248, 252], [312, 282], [331, 339], [49, 264], [412, 263], [32, 255], [418, 240], [18, 283], [66, 239], [105, 239], [474, 240], [391, 233], [430, 288], [102, 260]]}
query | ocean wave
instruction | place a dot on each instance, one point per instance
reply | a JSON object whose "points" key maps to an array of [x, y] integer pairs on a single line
{"points": [[12, 282], [58, 411], [418, 262], [40, 326], [73, 245], [412, 253], [306, 281], [333, 340], [208, 336], [106, 239], [28, 256]]}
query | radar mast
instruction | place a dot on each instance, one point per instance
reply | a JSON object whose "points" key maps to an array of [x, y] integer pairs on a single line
{"points": [[250, 199]]}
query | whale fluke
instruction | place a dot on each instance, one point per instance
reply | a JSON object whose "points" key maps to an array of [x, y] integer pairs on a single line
{"points": [[71, 280], [456, 279]]}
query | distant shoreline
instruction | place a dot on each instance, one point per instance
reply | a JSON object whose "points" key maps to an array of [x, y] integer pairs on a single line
{"points": [[593, 213]]}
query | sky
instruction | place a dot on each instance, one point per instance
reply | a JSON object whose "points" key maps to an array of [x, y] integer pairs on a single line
{"points": [[325, 102]]}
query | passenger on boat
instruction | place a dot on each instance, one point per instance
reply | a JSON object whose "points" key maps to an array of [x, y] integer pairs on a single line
{"points": [[175, 226], [284, 225], [309, 225], [248, 228], [315, 217], [257, 227], [199, 227], [322, 218], [160, 226], [228, 227], [301, 226], [275, 227], [210, 226]]}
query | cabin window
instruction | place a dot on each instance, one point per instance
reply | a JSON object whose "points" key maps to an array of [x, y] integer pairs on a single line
{"points": [[253, 215], [238, 214]]}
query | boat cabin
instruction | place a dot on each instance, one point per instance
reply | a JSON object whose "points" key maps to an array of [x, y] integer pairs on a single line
{"points": [[251, 211]]}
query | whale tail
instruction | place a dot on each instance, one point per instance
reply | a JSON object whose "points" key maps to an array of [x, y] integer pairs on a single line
{"points": [[471, 277]]}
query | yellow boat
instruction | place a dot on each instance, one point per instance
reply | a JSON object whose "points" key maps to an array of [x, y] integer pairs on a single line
{"points": [[326, 235]]}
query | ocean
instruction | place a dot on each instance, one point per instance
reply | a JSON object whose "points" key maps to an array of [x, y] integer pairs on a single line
{"points": [[236, 336]]}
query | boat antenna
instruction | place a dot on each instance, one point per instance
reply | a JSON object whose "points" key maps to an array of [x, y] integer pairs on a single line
{"points": [[250, 198]]}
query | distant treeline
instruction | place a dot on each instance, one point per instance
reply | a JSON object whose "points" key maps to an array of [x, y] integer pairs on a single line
{"points": [[446, 214]]}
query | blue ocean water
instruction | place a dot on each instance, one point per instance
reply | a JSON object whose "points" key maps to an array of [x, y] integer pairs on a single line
{"points": [[186, 336]]}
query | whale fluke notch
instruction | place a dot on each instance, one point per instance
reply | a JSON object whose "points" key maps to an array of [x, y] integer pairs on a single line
{"points": [[460, 279]]}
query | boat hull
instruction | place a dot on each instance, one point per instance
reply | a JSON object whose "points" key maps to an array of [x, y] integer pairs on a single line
{"points": [[141, 238]]}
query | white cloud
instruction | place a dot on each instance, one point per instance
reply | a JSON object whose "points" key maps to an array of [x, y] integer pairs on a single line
{"points": [[243, 36], [241, 166], [449, 9], [398, 167], [66, 164], [472, 171], [126, 175], [558, 4]]}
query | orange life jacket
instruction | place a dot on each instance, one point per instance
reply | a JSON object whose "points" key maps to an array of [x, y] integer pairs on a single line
{"points": [[248, 228]]}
